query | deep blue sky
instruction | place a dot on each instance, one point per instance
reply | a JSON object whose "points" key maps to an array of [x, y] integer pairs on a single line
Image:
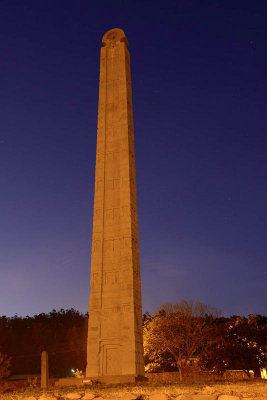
{"points": [[199, 97]]}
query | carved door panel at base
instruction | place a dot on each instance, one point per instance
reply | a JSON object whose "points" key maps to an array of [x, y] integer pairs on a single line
{"points": [[112, 360]]}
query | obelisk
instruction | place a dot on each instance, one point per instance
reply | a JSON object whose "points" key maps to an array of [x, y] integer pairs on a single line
{"points": [[115, 344]]}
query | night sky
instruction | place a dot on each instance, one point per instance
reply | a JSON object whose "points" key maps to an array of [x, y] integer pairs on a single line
{"points": [[199, 102]]}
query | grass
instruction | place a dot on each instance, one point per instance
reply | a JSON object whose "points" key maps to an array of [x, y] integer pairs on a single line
{"points": [[250, 388]]}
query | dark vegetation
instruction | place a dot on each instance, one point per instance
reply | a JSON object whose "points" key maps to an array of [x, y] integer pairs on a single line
{"points": [[61, 333], [175, 336], [192, 334]]}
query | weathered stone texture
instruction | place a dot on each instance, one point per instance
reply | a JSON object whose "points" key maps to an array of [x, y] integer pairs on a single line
{"points": [[204, 397], [158, 396], [44, 370], [128, 396], [72, 396], [63, 382], [88, 396], [115, 345], [48, 397], [152, 396], [184, 397]]}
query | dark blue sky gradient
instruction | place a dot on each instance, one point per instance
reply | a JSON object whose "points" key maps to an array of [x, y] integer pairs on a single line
{"points": [[199, 96]]}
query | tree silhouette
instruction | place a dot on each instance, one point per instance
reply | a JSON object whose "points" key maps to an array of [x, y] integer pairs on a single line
{"points": [[236, 343], [61, 333]]}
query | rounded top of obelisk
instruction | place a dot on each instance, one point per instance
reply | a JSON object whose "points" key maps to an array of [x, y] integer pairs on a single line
{"points": [[113, 36]]}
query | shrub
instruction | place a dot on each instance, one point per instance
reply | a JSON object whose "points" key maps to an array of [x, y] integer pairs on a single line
{"points": [[5, 362]]}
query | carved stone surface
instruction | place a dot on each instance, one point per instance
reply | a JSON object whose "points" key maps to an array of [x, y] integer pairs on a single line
{"points": [[115, 345], [44, 370]]}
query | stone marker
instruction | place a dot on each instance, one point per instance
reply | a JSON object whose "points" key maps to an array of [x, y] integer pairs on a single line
{"points": [[115, 345], [44, 370]]}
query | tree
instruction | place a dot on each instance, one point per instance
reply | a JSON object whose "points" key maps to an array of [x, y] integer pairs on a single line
{"points": [[160, 362], [61, 333], [180, 330], [236, 343], [4, 365]]}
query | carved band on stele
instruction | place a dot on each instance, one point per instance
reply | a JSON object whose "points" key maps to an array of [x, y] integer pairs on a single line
{"points": [[113, 36]]}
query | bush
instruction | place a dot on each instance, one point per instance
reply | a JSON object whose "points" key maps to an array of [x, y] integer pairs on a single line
{"points": [[5, 362]]}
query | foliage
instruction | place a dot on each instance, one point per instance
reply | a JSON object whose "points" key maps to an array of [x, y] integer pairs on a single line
{"points": [[32, 383], [236, 343], [179, 330], [172, 337], [5, 362], [61, 333], [155, 362], [78, 373]]}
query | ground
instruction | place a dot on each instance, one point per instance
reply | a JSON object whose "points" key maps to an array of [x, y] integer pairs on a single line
{"points": [[254, 389]]}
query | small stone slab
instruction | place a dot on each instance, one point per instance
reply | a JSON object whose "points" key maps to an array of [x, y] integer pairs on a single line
{"points": [[47, 397], [88, 396], [101, 398], [62, 382], [158, 396], [72, 396], [204, 396], [129, 396], [88, 382], [109, 398]]}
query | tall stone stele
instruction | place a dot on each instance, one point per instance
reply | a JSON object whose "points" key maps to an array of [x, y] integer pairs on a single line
{"points": [[115, 343]]}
